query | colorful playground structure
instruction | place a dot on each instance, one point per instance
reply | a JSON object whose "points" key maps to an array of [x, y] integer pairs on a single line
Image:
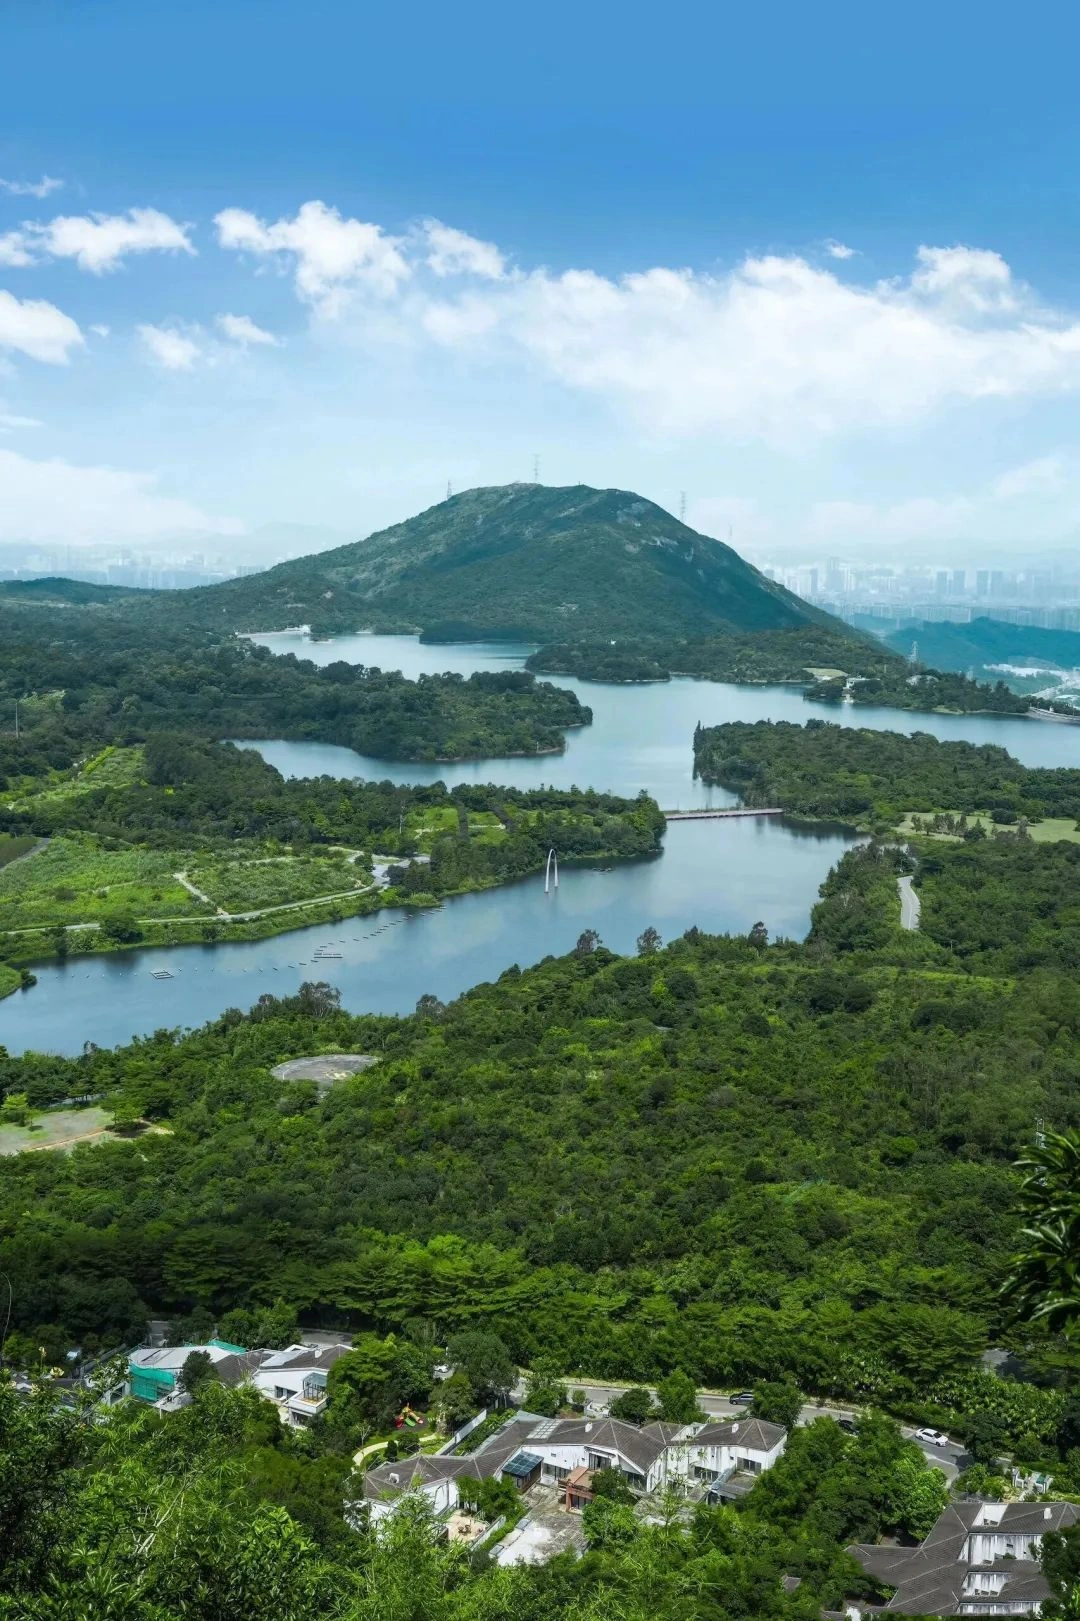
{"points": [[408, 1418]]}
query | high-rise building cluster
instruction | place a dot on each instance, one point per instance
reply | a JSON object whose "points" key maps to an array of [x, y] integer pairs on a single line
{"points": [[1048, 596]]}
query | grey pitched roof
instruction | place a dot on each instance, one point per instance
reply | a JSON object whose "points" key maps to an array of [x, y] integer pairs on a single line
{"points": [[741, 1432], [929, 1579], [237, 1367], [639, 1447], [303, 1356]]}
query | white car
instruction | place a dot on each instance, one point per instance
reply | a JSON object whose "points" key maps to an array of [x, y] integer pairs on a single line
{"points": [[932, 1438]]}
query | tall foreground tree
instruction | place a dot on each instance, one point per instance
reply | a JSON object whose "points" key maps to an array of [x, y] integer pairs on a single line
{"points": [[1044, 1283]]}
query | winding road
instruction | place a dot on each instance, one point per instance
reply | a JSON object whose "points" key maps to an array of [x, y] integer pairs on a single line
{"points": [[910, 904]]}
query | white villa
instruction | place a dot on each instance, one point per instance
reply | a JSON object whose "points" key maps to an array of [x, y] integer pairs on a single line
{"points": [[293, 1379]]}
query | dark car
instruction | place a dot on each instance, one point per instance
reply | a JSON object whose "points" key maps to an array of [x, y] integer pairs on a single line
{"points": [[743, 1399]]}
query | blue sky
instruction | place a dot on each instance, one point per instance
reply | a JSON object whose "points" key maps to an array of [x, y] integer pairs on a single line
{"points": [[305, 263]]}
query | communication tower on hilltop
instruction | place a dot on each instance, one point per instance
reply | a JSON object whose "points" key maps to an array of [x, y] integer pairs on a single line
{"points": [[449, 489], [682, 506], [536, 469]]}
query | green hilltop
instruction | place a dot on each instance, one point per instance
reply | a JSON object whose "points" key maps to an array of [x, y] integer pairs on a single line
{"points": [[515, 560]]}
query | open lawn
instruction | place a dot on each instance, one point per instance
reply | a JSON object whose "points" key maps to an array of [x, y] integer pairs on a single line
{"points": [[74, 879], [429, 823], [58, 1128], [249, 885], [485, 827], [822, 672], [1048, 831]]}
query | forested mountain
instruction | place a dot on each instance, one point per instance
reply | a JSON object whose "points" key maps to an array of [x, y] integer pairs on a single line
{"points": [[987, 641], [518, 559]]}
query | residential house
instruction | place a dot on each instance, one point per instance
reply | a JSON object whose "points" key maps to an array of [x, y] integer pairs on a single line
{"points": [[565, 1454], [296, 1379], [436, 1476], [979, 1559], [727, 1456], [153, 1371]]}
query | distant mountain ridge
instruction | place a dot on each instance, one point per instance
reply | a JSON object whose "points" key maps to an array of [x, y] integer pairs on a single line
{"points": [[520, 559], [986, 641]]}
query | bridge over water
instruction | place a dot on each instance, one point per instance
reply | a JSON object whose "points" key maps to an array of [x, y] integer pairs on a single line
{"points": [[721, 815]]}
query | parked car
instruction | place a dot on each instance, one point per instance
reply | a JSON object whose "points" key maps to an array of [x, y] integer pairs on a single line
{"points": [[848, 1425], [743, 1399], [932, 1438]]}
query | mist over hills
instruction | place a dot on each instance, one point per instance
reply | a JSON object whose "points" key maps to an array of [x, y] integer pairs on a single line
{"points": [[515, 560]]}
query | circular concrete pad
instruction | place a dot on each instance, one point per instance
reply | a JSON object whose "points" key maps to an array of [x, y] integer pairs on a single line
{"points": [[325, 1070]]}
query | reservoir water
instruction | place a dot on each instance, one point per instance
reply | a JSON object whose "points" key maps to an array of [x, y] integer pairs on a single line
{"points": [[721, 876]]}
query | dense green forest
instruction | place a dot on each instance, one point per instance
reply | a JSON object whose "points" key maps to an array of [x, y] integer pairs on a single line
{"points": [[833, 663], [216, 1511], [82, 682], [237, 829], [788, 654], [855, 774], [721, 1161], [519, 560], [985, 641], [906, 688], [741, 1160]]}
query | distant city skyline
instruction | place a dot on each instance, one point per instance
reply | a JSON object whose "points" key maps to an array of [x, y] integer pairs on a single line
{"points": [[814, 275]]}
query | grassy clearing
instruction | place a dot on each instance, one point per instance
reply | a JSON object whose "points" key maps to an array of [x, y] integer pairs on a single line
{"points": [[429, 823], [112, 768], [1048, 831], [248, 885], [58, 1128], [822, 672], [12, 847], [10, 979], [76, 880], [485, 827]]}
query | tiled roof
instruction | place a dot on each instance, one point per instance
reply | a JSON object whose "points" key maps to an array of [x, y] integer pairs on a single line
{"points": [[930, 1579], [639, 1447], [753, 1433]]}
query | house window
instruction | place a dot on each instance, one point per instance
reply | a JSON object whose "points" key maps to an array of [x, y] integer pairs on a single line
{"points": [[281, 1394]]}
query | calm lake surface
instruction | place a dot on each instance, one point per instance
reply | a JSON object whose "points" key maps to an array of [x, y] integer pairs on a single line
{"points": [[719, 875]]}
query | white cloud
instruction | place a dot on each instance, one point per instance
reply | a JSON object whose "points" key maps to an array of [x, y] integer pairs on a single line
{"points": [[974, 515], [974, 277], [921, 518], [57, 500], [331, 256], [1043, 476], [839, 250], [8, 421], [242, 329], [100, 331], [32, 327], [97, 242], [776, 349], [31, 188], [14, 251], [169, 348], [455, 253]]}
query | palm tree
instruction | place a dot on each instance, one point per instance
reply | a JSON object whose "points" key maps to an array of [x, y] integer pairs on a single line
{"points": [[1044, 1283]]}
